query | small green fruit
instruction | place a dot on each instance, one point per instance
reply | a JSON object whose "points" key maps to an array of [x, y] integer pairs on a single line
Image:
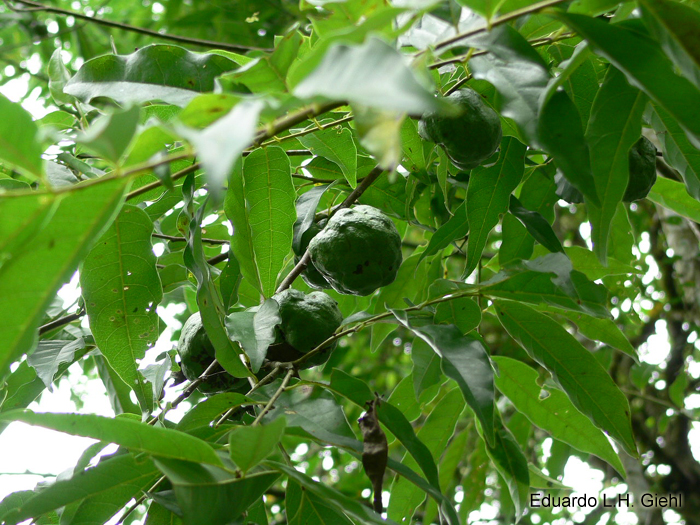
{"points": [[469, 138], [642, 159], [197, 353], [642, 169], [358, 251], [307, 321]]}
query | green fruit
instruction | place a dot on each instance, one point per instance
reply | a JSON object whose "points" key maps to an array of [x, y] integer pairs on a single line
{"points": [[642, 159], [468, 138], [197, 353], [358, 251], [307, 321], [311, 275], [642, 169]]}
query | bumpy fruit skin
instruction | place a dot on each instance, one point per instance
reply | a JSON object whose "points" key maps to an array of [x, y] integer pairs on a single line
{"points": [[642, 159], [642, 167], [311, 275], [307, 321], [197, 353], [468, 138], [358, 251]]}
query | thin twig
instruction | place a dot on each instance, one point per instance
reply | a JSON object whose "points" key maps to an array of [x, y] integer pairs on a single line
{"points": [[36, 6], [173, 238], [276, 140], [265, 380], [187, 392], [61, 321], [140, 500], [539, 6], [275, 397]]}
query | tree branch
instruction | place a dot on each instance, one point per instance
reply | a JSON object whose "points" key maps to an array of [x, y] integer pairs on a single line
{"points": [[539, 6], [275, 397], [36, 6]]}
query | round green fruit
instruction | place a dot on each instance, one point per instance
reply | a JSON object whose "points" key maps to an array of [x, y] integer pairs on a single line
{"points": [[468, 138], [358, 251], [642, 169], [307, 321], [642, 158], [197, 353], [311, 275]]}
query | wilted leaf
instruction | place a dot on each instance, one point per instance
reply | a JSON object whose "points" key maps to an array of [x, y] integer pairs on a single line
{"points": [[375, 452]]}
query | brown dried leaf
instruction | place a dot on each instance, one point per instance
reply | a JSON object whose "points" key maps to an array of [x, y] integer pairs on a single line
{"points": [[375, 451]]}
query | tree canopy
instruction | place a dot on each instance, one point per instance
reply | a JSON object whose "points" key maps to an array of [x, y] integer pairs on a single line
{"points": [[499, 199]]}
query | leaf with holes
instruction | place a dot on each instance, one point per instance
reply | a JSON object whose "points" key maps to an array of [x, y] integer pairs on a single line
{"points": [[121, 289]]}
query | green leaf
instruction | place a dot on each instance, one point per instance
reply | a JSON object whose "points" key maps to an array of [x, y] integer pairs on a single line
{"points": [[269, 196], [646, 67], [123, 431], [255, 331], [49, 355], [436, 431], [488, 197], [574, 368], [159, 515], [19, 147], [517, 72], [676, 27], [462, 312], [306, 212], [580, 80], [221, 144], [58, 76], [336, 145], [455, 228], [486, 8], [588, 264], [333, 498], [677, 149], [242, 241], [426, 366], [537, 194], [206, 411], [603, 330], [30, 279], [317, 415], [157, 72], [673, 195], [121, 289], [560, 131], [536, 225], [118, 391], [550, 280], [305, 508], [210, 495], [551, 410], [511, 464], [465, 360], [115, 473], [412, 146], [209, 301], [110, 135], [614, 127], [249, 445], [380, 134], [373, 74]]}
